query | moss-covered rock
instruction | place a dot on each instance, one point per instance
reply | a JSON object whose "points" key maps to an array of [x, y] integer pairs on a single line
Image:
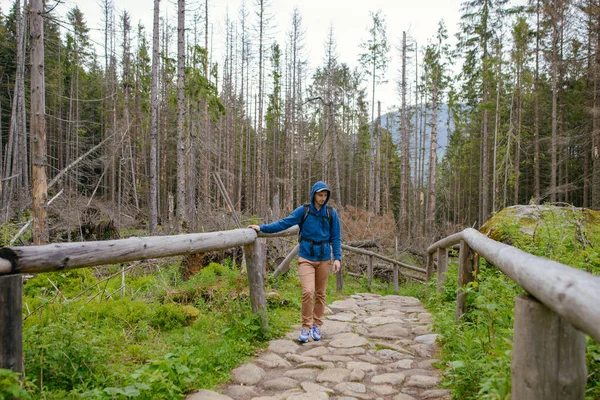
{"points": [[527, 219], [570, 235]]}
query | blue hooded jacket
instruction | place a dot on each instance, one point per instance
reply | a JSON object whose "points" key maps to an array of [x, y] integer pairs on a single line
{"points": [[315, 228]]}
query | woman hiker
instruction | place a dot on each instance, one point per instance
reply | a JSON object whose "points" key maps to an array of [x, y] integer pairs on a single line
{"points": [[319, 232]]}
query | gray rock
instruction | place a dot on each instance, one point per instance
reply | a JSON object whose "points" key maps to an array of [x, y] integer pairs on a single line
{"points": [[282, 383], [343, 305], [389, 355], [355, 387], [392, 379], [316, 352], [283, 347], [302, 374], [384, 390], [247, 374], [423, 350], [420, 330], [207, 395], [403, 396], [309, 396], [343, 317], [435, 394], [369, 358], [240, 391], [383, 320], [335, 358], [316, 364], [346, 340], [310, 387], [352, 351], [331, 328], [426, 339], [357, 375], [423, 382], [335, 375], [406, 363], [272, 360], [363, 366], [299, 358]]}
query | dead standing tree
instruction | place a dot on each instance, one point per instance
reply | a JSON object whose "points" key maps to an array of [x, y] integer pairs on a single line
{"points": [[38, 124]]}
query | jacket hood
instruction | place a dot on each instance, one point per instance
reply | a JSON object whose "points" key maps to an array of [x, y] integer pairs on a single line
{"points": [[318, 186]]}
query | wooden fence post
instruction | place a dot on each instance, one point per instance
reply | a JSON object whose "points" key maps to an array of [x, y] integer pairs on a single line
{"points": [[370, 271], [256, 256], [429, 262], [395, 279], [465, 275], [548, 357], [11, 322], [442, 257]]}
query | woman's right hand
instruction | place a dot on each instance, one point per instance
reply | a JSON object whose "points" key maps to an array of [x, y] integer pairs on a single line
{"points": [[255, 227]]}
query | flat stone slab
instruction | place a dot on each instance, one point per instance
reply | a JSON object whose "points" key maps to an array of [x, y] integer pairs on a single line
{"points": [[436, 394], [241, 391], [423, 382], [309, 396], [334, 375], [207, 395], [247, 374], [391, 378], [310, 387], [302, 374], [283, 347], [272, 360], [384, 390], [355, 387], [282, 383], [383, 320], [344, 317], [426, 339], [346, 340], [316, 352]]}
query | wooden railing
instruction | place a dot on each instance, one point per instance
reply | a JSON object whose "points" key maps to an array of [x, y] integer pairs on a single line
{"points": [[15, 261], [563, 304]]}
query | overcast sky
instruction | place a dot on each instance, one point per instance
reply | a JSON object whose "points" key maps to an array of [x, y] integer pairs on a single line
{"points": [[350, 20]]}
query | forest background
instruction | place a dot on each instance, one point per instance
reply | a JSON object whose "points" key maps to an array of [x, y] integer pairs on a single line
{"points": [[146, 131]]}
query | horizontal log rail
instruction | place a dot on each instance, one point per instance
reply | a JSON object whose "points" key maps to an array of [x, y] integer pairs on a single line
{"points": [[548, 359]]}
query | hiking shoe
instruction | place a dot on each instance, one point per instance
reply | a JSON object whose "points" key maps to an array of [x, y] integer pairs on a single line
{"points": [[315, 332], [304, 334]]}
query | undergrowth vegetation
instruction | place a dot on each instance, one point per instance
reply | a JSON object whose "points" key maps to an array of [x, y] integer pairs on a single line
{"points": [[162, 338], [476, 352]]}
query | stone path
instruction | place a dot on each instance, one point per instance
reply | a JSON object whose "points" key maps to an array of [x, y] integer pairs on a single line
{"points": [[373, 347]]}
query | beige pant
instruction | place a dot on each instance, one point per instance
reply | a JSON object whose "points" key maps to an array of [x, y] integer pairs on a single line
{"points": [[313, 277]]}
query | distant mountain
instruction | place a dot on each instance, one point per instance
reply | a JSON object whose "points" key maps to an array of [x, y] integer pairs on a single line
{"points": [[391, 121]]}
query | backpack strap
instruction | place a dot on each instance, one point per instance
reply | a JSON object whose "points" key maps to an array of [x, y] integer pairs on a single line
{"points": [[306, 209]]}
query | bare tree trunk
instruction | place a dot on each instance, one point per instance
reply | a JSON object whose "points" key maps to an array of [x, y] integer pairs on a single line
{"points": [[554, 141], [181, 165], [38, 124], [153, 217], [432, 159], [595, 153], [378, 162], [404, 173], [536, 123]]}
